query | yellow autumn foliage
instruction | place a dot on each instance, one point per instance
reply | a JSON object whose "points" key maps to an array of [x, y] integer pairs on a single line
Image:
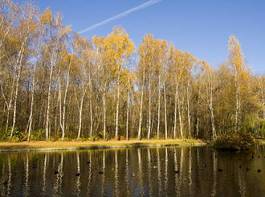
{"points": [[46, 17], [114, 48]]}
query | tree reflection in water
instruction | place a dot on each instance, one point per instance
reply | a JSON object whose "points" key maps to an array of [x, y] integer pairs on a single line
{"points": [[133, 172]]}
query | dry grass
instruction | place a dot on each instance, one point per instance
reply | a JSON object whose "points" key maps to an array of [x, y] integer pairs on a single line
{"points": [[64, 145]]}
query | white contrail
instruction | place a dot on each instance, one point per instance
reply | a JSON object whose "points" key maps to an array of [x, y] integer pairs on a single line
{"points": [[121, 15]]}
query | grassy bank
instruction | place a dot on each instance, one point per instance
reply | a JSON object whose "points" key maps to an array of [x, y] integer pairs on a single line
{"points": [[81, 145]]}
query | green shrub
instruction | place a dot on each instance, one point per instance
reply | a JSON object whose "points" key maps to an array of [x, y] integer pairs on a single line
{"points": [[18, 136], [255, 126], [4, 134], [259, 130], [100, 136], [234, 141], [37, 134]]}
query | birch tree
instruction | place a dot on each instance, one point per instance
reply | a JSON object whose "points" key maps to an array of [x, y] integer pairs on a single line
{"points": [[176, 71], [56, 33], [209, 73], [26, 28], [152, 57], [83, 50], [240, 73], [115, 48]]}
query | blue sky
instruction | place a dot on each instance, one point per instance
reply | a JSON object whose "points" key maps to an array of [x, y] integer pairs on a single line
{"points": [[201, 27]]}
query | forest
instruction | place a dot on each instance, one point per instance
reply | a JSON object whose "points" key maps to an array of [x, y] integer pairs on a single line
{"points": [[57, 85]]}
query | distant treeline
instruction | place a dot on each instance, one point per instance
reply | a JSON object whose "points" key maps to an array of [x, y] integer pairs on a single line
{"points": [[56, 84]]}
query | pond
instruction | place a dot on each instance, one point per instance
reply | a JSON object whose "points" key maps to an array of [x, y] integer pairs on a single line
{"points": [[171, 171]]}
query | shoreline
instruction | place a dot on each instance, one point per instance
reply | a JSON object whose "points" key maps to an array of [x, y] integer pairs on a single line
{"points": [[42, 146]]}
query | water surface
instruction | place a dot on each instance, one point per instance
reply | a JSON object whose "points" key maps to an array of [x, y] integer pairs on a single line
{"points": [[172, 171]]}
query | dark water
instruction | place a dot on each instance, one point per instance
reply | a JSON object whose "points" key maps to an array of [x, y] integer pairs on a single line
{"points": [[199, 172]]}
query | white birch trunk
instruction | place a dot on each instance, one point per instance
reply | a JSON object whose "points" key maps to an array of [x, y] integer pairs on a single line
{"points": [[237, 102], [8, 103], [158, 109], [90, 106], [31, 104], [65, 98], [127, 115], [175, 113], [197, 118], [19, 70], [188, 109], [104, 111], [60, 104], [149, 109], [81, 112], [117, 109], [180, 115], [212, 112], [47, 123], [141, 110], [165, 110]]}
